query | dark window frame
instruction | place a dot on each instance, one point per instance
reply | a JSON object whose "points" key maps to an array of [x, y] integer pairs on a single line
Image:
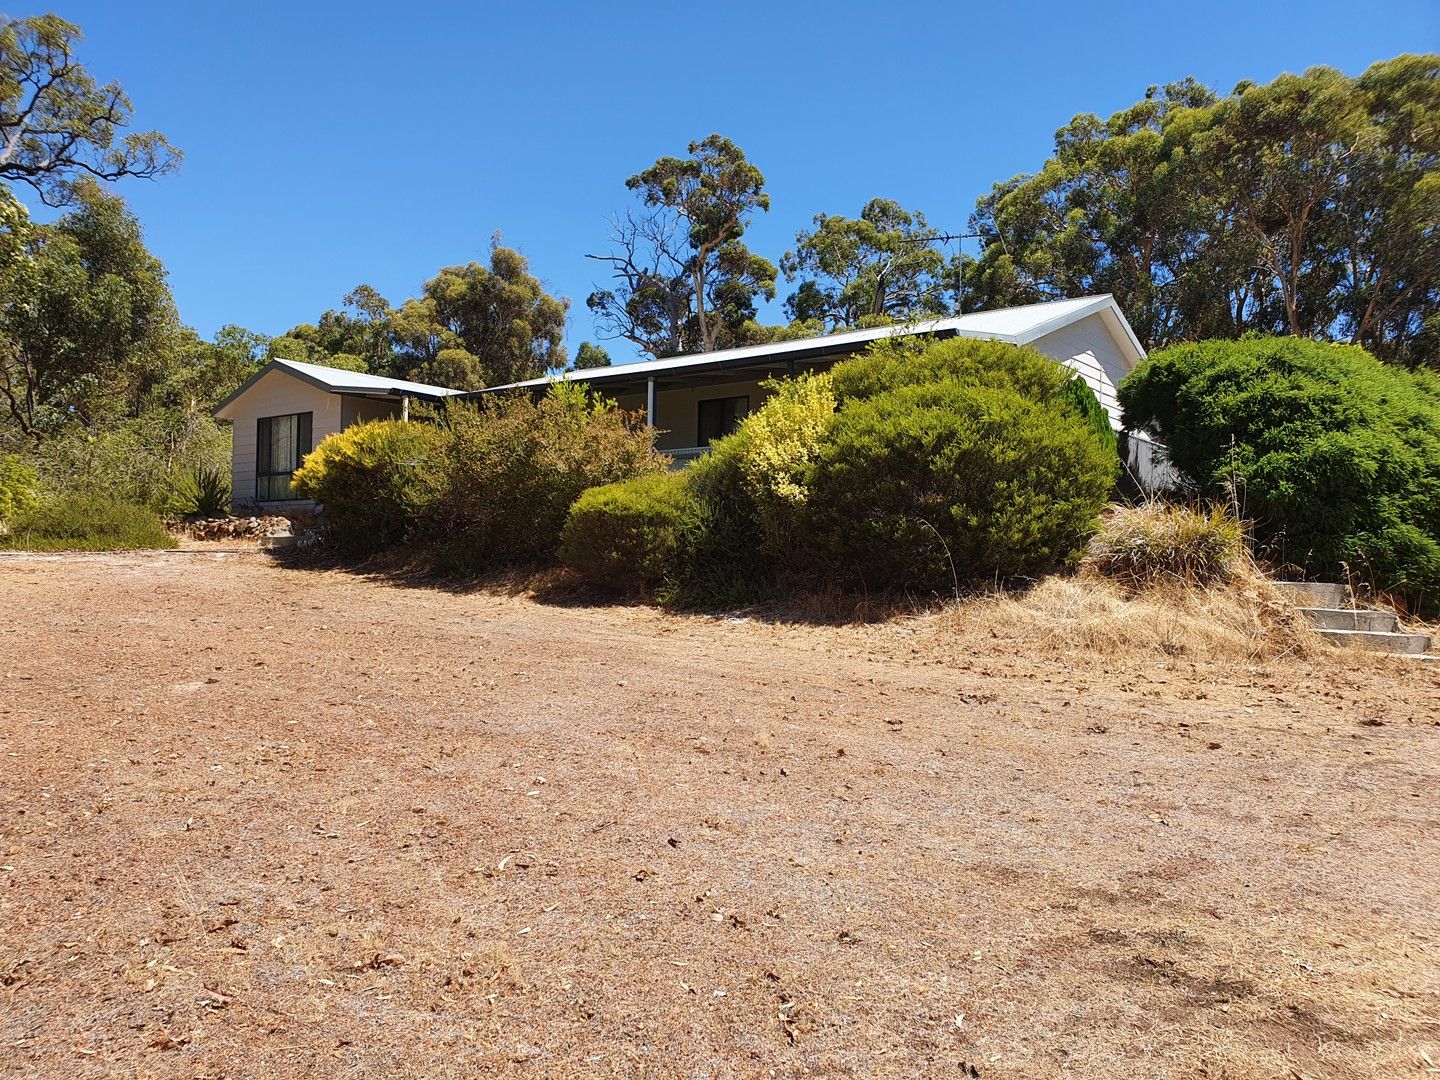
{"points": [[729, 419], [266, 472]]}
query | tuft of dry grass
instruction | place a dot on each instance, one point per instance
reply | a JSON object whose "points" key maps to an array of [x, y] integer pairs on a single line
{"points": [[1157, 542], [1244, 617]]}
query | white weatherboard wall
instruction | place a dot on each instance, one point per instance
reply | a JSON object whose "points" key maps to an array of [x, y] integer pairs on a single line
{"points": [[1089, 348], [276, 394]]}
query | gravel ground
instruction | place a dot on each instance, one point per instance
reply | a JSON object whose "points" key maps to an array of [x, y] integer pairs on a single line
{"points": [[285, 823]]}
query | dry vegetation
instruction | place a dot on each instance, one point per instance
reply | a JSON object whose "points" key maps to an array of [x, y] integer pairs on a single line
{"points": [[287, 823]]}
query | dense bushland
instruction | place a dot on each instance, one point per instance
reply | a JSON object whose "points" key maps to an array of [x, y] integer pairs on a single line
{"points": [[85, 521], [1332, 454]]}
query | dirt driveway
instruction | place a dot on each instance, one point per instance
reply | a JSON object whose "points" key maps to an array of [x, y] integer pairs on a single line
{"points": [[266, 822]]}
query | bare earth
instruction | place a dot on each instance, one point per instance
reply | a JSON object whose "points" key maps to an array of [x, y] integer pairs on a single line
{"points": [[266, 822]]}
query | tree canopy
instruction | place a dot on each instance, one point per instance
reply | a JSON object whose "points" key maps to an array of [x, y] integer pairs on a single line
{"points": [[56, 125], [879, 266], [474, 326], [1304, 206], [86, 324], [684, 280]]}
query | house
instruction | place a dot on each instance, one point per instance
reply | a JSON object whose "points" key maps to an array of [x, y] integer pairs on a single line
{"points": [[696, 399], [282, 411]]}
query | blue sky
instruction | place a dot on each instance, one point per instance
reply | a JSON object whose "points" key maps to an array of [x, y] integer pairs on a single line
{"points": [[328, 145]]}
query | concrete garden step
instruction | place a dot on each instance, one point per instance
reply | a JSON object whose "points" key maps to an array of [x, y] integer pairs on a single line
{"points": [[1378, 641], [1315, 594], [1383, 622]]}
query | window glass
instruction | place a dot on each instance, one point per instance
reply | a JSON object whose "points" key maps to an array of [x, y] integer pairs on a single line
{"points": [[281, 443], [721, 416]]}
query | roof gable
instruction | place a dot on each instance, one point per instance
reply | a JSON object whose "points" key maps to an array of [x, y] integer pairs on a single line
{"points": [[335, 381]]}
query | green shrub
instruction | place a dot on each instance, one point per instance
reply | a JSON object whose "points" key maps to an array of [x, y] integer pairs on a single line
{"points": [[84, 521], [625, 536], [1158, 542], [896, 362], [1333, 455], [913, 480], [721, 558], [203, 491], [19, 486], [776, 448], [374, 481], [513, 466], [1077, 394]]}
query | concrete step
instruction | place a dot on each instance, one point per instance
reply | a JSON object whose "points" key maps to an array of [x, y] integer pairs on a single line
{"points": [[1315, 594], [1383, 622], [1376, 641]]}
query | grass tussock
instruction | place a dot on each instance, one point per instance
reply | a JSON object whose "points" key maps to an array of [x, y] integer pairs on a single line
{"points": [[1158, 543], [1242, 618]]}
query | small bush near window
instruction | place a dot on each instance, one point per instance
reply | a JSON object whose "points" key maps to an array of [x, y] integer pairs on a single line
{"points": [[374, 481], [84, 521], [19, 487], [1157, 542], [926, 485], [513, 466], [625, 536], [1334, 455]]}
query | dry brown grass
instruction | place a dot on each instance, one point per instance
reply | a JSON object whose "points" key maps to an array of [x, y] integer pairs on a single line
{"points": [[264, 822], [1244, 618]]}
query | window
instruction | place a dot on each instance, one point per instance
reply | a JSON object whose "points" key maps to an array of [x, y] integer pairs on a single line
{"points": [[281, 442], [720, 416]]}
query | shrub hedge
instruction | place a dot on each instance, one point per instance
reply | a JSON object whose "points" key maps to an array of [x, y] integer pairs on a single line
{"points": [[512, 466], [1334, 455], [374, 480], [85, 521], [970, 451]]}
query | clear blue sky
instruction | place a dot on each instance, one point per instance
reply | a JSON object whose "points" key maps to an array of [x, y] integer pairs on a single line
{"points": [[328, 144]]}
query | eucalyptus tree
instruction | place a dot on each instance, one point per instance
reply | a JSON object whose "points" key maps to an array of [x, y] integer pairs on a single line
{"points": [[475, 326], [880, 266], [56, 124], [684, 281]]}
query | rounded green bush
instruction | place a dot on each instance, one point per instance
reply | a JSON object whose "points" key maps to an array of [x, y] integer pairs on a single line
{"points": [[896, 362], [925, 485], [85, 521], [373, 480], [625, 536], [1332, 454]]}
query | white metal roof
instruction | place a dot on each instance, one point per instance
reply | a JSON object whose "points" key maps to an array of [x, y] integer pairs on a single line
{"points": [[1017, 325], [338, 381]]}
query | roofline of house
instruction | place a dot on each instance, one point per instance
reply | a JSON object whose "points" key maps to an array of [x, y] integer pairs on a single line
{"points": [[835, 345], [289, 367]]}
